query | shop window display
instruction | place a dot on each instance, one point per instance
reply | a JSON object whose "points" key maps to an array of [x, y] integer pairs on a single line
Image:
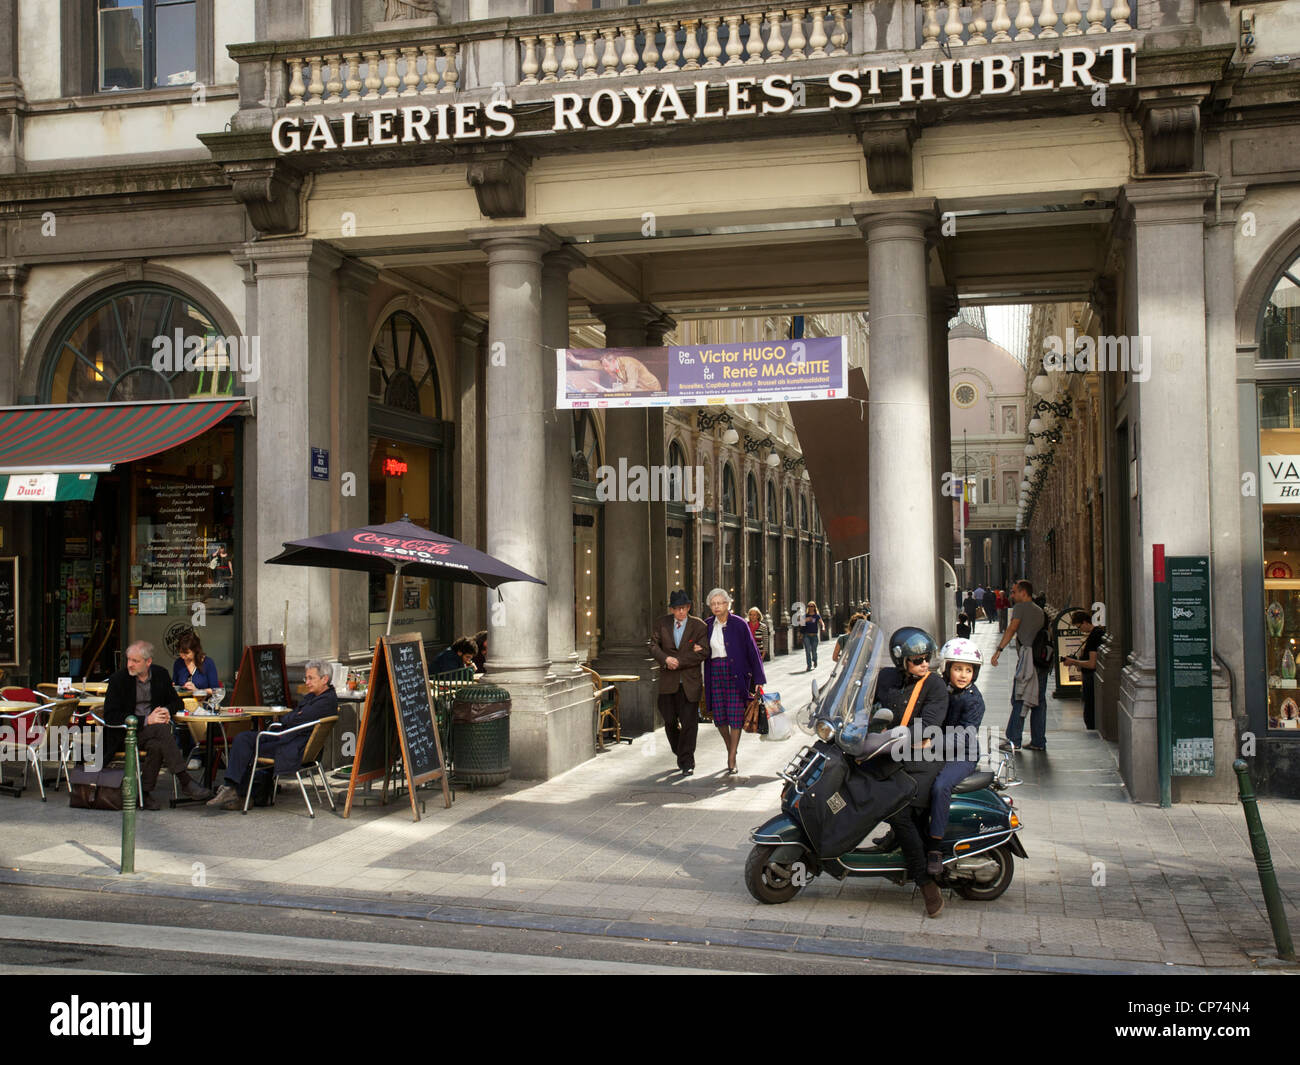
{"points": [[1279, 448]]}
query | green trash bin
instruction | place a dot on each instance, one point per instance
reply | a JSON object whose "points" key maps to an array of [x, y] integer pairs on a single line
{"points": [[480, 735]]}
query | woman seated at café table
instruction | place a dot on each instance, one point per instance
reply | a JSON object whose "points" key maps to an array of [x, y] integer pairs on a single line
{"points": [[193, 669], [460, 655]]}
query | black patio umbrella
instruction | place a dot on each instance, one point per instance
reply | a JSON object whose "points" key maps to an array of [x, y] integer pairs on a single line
{"points": [[400, 547]]}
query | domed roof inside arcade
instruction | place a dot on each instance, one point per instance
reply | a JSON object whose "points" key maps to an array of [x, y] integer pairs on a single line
{"points": [[980, 374]]}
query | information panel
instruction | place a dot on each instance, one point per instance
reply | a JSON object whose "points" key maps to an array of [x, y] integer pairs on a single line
{"points": [[1191, 693]]}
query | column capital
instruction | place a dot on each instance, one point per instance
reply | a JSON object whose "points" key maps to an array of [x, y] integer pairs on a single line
{"points": [[356, 276], [13, 276], [514, 243], [468, 327], [563, 260], [1177, 198], [918, 213], [1223, 207], [659, 328], [289, 258], [628, 314]]}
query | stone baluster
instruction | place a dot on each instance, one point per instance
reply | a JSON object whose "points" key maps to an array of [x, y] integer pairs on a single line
{"points": [[1024, 22], [978, 25], [629, 50], [1047, 19], [372, 75], [570, 62], [650, 53], [430, 53], [818, 38], [411, 55], [930, 28], [589, 58], [353, 82], [775, 39], [315, 87], [1096, 17], [333, 83], [712, 46], [1001, 22], [671, 54], [953, 26], [1071, 18], [391, 80], [1119, 13], [691, 45], [609, 57], [840, 38], [797, 39], [529, 65], [550, 64], [450, 75], [754, 46], [734, 47], [296, 86]]}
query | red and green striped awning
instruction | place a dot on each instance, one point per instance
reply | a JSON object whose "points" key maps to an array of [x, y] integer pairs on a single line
{"points": [[52, 439]]}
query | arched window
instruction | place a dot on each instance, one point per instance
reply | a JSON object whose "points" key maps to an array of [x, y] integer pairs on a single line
{"points": [[1279, 323], [729, 490], [789, 508], [803, 512], [771, 502], [121, 346], [676, 456], [586, 446], [751, 496], [402, 371]]}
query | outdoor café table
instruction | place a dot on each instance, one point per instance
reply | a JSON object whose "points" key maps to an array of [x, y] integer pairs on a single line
{"points": [[95, 687], [206, 721], [617, 678]]}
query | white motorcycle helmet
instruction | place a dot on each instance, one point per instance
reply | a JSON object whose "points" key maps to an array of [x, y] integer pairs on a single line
{"points": [[959, 649]]}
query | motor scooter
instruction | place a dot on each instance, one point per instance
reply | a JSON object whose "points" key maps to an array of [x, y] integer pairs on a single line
{"points": [[979, 847]]}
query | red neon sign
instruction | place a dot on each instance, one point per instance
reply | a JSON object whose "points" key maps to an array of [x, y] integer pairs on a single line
{"points": [[394, 467]]}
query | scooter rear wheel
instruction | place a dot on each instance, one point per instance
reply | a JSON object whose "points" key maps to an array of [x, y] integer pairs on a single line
{"points": [[991, 889], [769, 881]]}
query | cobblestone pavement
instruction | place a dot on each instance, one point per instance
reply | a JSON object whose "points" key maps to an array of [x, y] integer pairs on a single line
{"points": [[624, 837]]}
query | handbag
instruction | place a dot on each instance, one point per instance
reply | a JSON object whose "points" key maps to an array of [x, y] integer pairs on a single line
{"points": [[96, 791], [756, 714]]}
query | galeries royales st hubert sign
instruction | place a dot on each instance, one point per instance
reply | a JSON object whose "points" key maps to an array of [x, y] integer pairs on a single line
{"points": [[1082, 69]]}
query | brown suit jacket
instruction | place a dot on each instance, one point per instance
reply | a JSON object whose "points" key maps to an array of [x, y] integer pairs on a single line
{"points": [[688, 677]]}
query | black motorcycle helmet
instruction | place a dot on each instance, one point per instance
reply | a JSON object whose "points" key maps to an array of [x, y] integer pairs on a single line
{"points": [[910, 642]]}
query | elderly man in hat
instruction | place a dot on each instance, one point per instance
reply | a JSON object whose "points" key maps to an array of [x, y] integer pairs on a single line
{"points": [[680, 643]]}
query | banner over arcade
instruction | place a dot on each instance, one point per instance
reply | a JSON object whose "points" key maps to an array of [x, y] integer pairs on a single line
{"points": [[761, 371]]}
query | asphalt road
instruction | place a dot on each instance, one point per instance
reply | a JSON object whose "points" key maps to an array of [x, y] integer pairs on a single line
{"points": [[45, 930]]}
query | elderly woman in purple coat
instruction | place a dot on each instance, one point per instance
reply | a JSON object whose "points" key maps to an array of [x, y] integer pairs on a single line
{"points": [[734, 669]]}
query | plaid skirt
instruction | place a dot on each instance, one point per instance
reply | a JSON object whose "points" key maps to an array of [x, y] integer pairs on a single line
{"points": [[726, 700]]}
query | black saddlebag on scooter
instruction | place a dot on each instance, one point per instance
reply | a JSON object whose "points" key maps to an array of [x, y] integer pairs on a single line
{"points": [[847, 800]]}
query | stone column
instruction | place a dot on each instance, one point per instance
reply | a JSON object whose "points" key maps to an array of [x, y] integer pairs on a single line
{"points": [[942, 308], [516, 448], [293, 414], [631, 604], [13, 104], [467, 510], [1169, 412], [351, 447], [902, 475], [12, 279], [562, 650], [657, 448]]}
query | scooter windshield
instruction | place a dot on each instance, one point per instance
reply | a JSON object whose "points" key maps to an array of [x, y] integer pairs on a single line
{"points": [[851, 689]]}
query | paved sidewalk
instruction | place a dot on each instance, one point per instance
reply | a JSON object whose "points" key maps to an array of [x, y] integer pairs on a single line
{"points": [[625, 844]]}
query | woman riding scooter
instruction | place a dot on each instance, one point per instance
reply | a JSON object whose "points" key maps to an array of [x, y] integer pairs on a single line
{"points": [[911, 650], [961, 661]]}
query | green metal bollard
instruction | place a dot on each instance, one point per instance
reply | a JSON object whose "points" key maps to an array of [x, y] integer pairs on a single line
{"points": [[1264, 863], [129, 797]]}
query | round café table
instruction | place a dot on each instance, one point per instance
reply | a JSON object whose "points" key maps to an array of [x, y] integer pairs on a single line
{"points": [[609, 720], [251, 714]]}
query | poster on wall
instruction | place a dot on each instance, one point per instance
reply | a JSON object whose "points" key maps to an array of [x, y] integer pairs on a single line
{"points": [[763, 371]]}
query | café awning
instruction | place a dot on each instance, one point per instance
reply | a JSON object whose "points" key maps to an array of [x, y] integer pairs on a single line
{"points": [[74, 440]]}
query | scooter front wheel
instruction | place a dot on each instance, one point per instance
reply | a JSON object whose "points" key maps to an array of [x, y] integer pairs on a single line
{"points": [[773, 882], [990, 889]]}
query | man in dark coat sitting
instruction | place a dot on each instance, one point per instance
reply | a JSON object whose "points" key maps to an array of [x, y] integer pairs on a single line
{"points": [[146, 691], [320, 701]]}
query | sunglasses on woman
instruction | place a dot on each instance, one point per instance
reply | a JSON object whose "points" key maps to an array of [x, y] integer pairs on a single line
{"points": [[918, 661]]}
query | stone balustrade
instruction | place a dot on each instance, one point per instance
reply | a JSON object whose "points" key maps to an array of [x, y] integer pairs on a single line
{"points": [[950, 24], [644, 43], [377, 73]]}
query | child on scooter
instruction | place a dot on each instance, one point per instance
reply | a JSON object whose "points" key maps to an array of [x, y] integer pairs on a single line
{"points": [[961, 661]]}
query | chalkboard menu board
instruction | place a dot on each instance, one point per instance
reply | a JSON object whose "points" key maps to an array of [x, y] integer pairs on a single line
{"points": [[263, 679], [398, 714], [1189, 649], [8, 611]]}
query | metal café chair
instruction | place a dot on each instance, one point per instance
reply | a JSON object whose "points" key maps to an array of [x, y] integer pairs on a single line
{"points": [[22, 724], [309, 763], [608, 723]]}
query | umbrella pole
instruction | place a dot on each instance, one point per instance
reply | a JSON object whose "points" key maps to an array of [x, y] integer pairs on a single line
{"points": [[392, 601]]}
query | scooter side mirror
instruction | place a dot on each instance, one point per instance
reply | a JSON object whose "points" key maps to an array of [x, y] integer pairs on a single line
{"points": [[814, 690]]}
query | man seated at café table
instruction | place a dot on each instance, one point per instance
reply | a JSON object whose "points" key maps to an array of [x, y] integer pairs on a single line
{"points": [[320, 701], [146, 691]]}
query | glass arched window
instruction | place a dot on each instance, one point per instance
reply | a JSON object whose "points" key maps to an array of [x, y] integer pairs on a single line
{"points": [[676, 456], [729, 490], [803, 512], [751, 496], [1279, 326], [403, 374], [771, 502], [121, 346], [789, 508]]}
